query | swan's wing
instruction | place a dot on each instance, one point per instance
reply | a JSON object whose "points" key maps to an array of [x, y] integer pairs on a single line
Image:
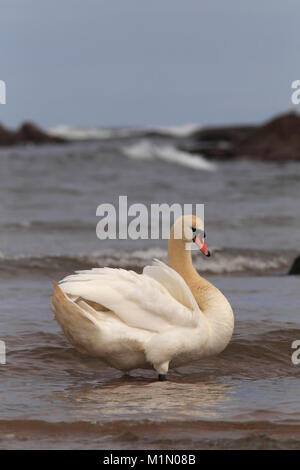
{"points": [[139, 300], [173, 282]]}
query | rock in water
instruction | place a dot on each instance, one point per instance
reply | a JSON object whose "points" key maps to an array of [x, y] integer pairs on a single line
{"points": [[295, 269], [277, 140], [28, 132]]}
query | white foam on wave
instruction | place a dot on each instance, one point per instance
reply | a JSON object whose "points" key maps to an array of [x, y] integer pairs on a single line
{"points": [[90, 133], [116, 258], [146, 150], [221, 261], [85, 133], [183, 130], [226, 263]]}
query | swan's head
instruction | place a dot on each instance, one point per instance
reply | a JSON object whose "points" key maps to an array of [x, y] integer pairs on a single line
{"points": [[190, 229]]}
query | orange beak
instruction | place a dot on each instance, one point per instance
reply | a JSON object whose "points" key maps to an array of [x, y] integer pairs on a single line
{"points": [[202, 245]]}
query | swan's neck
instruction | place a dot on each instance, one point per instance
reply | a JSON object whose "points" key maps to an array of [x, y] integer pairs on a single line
{"points": [[210, 300], [180, 260]]}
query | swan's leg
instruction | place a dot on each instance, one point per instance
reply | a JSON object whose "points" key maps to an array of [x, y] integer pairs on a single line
{"points": [[162, 370], [162, 377]]}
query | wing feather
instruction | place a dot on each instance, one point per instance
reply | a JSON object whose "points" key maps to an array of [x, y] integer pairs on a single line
{"points": [[155, 300], [173, 282]]}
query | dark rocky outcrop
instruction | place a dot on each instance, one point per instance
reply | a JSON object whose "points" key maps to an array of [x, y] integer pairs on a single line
{"points": [[27, 133], [223, 134], [276, 140], [6, 136], [295, 269]]}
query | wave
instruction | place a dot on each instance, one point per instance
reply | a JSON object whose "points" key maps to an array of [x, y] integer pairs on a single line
{"points": [[222, 261], [227, 261], [46, 226], [142, 144], [149, 434], [185, 130], [87, 133], [146, 150]]}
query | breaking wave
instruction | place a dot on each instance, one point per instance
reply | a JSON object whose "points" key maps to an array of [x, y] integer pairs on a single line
{"points": [[146, 150], [228, 261], [87, 133]]}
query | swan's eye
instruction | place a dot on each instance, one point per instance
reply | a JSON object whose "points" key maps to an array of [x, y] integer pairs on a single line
{"points": [[193, 228]]}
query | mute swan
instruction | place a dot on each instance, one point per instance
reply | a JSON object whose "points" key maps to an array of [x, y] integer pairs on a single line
{"points": [[164, 317]]}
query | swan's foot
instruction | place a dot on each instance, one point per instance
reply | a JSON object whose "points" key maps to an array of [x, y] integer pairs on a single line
{"points": [[162, 377]]}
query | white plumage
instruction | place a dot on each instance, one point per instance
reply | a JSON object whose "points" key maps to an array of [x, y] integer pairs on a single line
{"points": [[143, 320]]}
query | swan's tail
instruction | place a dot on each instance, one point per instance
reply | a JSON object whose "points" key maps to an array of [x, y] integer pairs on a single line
{"points": [[78, 324], [98, 332]]}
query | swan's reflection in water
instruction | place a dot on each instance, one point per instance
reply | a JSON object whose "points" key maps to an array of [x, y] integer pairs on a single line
{"points": [[152, 400]]}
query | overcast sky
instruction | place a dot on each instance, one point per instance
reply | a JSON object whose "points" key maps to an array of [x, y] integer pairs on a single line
{"points": [[147, 62]]}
